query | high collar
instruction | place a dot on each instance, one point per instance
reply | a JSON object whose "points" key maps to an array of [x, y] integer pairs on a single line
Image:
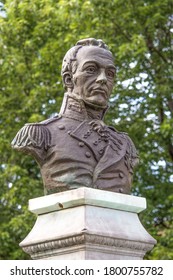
{"points": [[74, 108]]}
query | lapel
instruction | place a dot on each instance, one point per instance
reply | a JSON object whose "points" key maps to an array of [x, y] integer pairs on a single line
{"points": [[110, 157], [107, 152], [85, 134]]}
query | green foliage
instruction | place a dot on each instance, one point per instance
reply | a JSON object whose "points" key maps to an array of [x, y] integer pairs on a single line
{"points": [[34, 36]]}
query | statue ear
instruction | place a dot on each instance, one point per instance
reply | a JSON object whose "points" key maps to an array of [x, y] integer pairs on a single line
{"points": [[67, 80]]}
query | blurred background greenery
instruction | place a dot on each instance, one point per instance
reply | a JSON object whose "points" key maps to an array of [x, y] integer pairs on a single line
{"points": [[34, 37]]}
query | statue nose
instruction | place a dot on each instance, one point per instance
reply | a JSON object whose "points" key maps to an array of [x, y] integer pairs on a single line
{"points": [[102, 78]]}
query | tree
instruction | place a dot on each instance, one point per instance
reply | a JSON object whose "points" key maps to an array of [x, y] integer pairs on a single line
{"points": [[34, 36]]}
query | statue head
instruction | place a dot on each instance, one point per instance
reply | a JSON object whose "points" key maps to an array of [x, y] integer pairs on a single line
{"points": [[88, 72]]}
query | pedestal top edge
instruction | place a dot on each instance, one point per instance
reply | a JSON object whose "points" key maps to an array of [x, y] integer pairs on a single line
{"points": [[86, 196]]}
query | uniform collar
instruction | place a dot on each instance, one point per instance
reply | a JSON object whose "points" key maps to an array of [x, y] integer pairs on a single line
{"points": [[74, 108]]}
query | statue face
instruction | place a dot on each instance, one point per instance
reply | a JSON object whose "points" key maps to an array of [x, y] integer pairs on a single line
{"points": [[94, 78]]}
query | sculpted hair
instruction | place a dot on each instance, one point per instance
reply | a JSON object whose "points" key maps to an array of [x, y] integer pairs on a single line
{"points": [[69, 64]]}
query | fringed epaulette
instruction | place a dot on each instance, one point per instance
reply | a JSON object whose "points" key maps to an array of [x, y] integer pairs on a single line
{"points": [[33, 134], [131, 150], [132, 157]]}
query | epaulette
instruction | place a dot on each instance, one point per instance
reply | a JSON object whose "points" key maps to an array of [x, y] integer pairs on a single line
{"points": [[34, 135], [131, 152]]}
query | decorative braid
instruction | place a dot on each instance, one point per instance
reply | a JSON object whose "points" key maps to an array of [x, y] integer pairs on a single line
{"points": [[35, 135]]}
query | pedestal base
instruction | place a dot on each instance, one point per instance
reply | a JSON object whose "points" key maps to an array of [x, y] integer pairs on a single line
{"points": [[87, 224]]}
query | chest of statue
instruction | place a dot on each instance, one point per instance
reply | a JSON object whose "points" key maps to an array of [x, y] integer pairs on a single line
{"points": [[79, 153], [87, 139]]}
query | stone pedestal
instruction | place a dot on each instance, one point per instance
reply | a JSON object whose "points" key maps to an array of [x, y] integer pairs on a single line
{"points": [[87, 224]]}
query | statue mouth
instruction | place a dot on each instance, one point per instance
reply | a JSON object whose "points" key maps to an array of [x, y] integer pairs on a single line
{"points": [[99, 90]]}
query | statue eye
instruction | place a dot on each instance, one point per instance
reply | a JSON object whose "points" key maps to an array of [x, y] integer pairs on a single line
{"points": [[91, 69], [111, 74]]}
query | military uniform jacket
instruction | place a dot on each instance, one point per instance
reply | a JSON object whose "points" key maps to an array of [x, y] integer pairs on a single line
{"points": [[77, 149]]}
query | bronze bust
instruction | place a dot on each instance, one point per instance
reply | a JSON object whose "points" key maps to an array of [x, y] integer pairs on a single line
{"points": [[76, 148]]}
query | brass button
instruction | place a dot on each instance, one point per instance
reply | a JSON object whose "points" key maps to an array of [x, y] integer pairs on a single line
{"points": [[121, 175], [88, 155], [81, 144], [61, 127]]}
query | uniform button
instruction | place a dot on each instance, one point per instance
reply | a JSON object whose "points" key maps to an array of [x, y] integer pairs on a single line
{"points": [[101, 152], [121, 190], [69, 131], [81, 144], [61, 127], [121, 175], [88, 155]]}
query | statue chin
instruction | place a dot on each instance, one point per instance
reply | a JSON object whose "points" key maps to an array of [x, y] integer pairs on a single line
{"points": [[94, 106]]}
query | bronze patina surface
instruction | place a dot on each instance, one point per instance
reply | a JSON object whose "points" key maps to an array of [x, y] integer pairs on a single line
{"points": [[76, 148]]}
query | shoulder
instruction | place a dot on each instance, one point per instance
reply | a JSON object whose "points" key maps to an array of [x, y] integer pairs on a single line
{"points": [[49, 121], [35, 135], [122, 134], [116, 133]]}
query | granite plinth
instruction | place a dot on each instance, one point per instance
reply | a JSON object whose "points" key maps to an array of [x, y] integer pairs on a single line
{"points": [[86, 224]]}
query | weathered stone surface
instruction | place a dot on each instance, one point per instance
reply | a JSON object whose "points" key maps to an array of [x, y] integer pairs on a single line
{"points": [[87, 224]]}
